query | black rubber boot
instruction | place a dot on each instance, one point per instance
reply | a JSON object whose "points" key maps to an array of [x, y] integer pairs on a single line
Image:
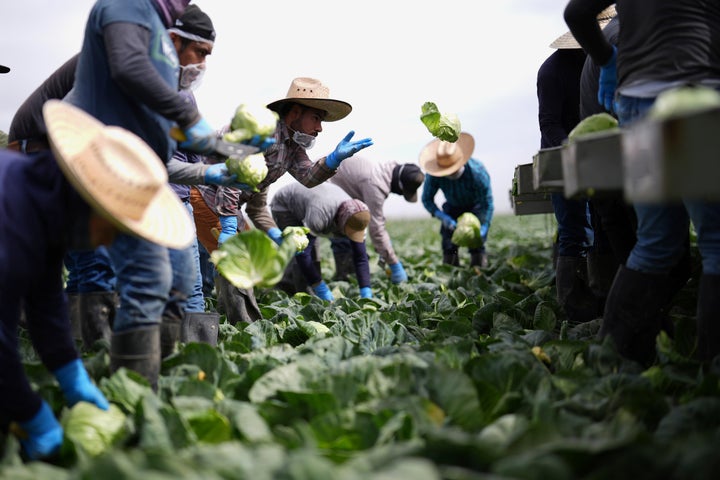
{"points": [[708, 318], [478, 259], [74, 312], [170, 326], [137, 349], [451, 258], [601, 271], [344, 265], [633, 312], [573, 292], [238, 305], [200, 327], [97, 314]]}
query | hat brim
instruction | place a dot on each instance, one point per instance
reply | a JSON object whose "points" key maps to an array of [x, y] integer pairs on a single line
{"points": [[428, 156], [411, 197], [567, 40], [4, 69], [165, 221], [335, 109]]}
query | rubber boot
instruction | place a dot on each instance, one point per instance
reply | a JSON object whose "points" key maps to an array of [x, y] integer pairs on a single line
{"points": [[237, 304], [97, 314], [137, 349], [633, 313], [200, 327], [601, 271], [344, 265], [478, 259], [170, 326], [451, 258], [708, 317], [573, 292], [74, 312]]}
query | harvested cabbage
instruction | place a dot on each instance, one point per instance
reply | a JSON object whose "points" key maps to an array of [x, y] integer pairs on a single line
{"points": [[443, 126], [93, 429], [683, 101], [467, 232], [251, 170], [298, 237], [594, 123], [246, 124]]}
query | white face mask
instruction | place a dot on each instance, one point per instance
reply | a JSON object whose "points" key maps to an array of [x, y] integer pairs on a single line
{"points": [[191, 75], [304, 140], [457, 174]]}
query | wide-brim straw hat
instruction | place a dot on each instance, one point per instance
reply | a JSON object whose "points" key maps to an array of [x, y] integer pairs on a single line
{"points": [[353, 217], [312, 93], [118, 175], [440, 158], [567, 41]]}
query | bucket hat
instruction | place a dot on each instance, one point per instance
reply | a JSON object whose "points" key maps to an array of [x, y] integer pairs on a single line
{"points": [[353, 217], [440, 158], [312, 93], [567, 40], [118, 175]]}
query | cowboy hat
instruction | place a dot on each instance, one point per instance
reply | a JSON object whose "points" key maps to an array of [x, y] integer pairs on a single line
{"points": [[440, 158], [567, 40], [353, 217], [118, 174], [312, 93]]}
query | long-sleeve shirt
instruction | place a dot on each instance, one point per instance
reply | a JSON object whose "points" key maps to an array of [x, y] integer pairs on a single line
{"points": [[370, 182], [471, 192]]}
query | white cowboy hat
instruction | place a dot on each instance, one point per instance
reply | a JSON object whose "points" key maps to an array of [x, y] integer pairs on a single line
{"points": [[312, 93], [440, 158], [118, 174], [567, 40]]}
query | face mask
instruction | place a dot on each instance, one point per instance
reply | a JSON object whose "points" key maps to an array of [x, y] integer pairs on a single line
{"points": [[191, 76], [457, 174], [304, 140]]}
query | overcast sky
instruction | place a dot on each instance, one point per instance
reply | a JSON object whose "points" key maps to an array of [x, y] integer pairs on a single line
{"points": [[386, 58]]}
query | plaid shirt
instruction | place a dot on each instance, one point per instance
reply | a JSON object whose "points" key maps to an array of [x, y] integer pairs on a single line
{"points": [[283, 156]]}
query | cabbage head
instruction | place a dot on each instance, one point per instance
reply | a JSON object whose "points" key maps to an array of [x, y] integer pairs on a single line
{"points": [[443, 126], [297, 236], [245, 124], [93, 429], [599, 122], [684, 100], [467, 232], [251, 170]]}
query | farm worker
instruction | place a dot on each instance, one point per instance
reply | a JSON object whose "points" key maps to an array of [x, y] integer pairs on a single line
{"points": [[465, 183], [673, 43], [372, 182], [301, 114], [328, 212], [99, 179]]}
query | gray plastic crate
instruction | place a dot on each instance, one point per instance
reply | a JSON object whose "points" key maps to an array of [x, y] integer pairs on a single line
{"points": [[547, 170], [592, 165]]}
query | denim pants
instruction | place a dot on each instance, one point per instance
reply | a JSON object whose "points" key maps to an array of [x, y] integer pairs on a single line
{"points": [[575, 233], [186, 273], [89, 271], [663, 227]]}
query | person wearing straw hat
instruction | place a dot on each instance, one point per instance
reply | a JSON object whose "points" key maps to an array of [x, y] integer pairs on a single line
{"points": [[328, 212], [97, 181], [465, 183]]}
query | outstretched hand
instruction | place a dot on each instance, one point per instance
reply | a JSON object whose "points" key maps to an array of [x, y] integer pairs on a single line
{"points": [[345, 149]]}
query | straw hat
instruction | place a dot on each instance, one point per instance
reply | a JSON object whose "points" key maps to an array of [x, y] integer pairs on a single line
{"points": [[567, 40], [440, 158], [312, 93], [353, 217], [118, 174]]}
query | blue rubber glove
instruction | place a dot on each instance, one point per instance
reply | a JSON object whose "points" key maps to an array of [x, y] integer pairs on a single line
{"points": [[229, 226], [44, 434], [447, 221], [365, 292], [397, 273], [608, 82], [77, 386], [218, 174], [484, 228], [346, 149], [200, 138], [275, 234], [323, 291], [260, 142]]}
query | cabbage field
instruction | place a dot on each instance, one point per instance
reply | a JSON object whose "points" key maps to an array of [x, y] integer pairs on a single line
{"points": [[460, 373]]}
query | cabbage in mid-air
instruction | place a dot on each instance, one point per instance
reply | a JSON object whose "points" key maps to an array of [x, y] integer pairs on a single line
{"points": [[443, 126]]}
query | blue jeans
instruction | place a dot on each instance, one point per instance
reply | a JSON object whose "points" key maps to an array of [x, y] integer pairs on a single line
{"points": [[186, 274], [89, 271], [662, 228], [575, 233]]}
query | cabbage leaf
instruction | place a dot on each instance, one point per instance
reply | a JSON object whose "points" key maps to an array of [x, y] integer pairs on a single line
{"points": [[250, 170], [443, 126], [93, 429], [684, 100], [245, 124], [594, 123], [467, 232]]}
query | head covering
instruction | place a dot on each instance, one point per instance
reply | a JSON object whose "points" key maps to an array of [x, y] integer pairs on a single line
{"points": [[406, 179], [567, 40], [170, 10], [118, 175], [4, 69], [440, 158], [353, 217], [194, 24], [312, 93]]}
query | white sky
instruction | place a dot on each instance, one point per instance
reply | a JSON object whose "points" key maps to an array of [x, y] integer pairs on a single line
{"points": [[478, 59]]}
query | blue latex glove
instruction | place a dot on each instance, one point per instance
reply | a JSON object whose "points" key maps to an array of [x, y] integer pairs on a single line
{"points": [[200, 138], [346, 149], [608, 82], [218, 174], [397, 273], [323, 291], [447, 220], [484, 228], [275, 234], [44, 434], [365, 292], [260, 142], [77, 386], [229, 226]]}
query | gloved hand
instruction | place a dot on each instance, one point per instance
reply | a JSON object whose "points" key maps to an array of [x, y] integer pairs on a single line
{"points": [[397, 273], [229, 226], [484, 228], [200, 138], [323, 291], [260, 142], [608, 82], [365, 292], [346, 149], [44, 434], [275, 234], [447, 220], [77, 386], [218, 174]]}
